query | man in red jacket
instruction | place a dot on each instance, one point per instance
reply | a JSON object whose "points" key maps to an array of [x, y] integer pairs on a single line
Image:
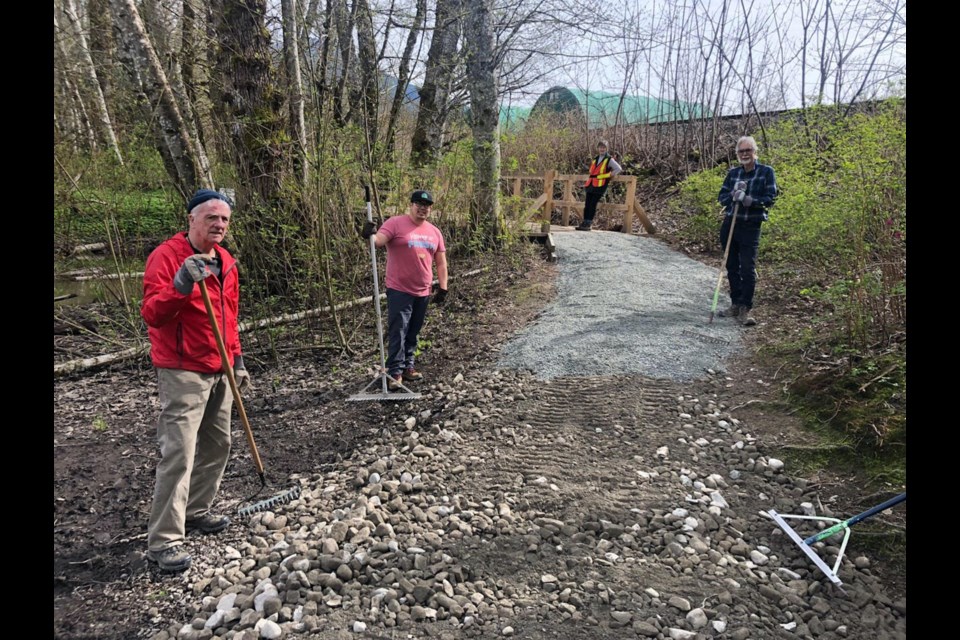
{"points": [[195, 398]]}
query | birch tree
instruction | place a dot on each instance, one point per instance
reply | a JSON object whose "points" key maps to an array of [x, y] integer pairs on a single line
{"points": [[89, 75], [291, 56], [188, 172]]}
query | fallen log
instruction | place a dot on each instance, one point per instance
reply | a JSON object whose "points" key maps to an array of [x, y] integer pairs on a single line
{"points": [[95, 247], [89, 363], [110, 276], [84, 364]]}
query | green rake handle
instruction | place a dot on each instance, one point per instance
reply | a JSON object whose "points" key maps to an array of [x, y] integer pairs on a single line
{"points": [[840, 526], [723, 265]]}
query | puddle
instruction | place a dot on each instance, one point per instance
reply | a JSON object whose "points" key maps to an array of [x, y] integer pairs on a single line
{"points": [[100, 289]]}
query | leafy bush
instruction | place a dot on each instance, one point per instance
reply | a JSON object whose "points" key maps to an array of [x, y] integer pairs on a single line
{"points": [[838, 230]]}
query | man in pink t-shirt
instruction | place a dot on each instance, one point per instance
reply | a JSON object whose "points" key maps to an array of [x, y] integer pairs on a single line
{"points": [[413, 245]]}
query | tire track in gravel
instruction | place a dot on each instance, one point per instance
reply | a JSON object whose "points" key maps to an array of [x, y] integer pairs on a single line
{"points": [[570, 441]]}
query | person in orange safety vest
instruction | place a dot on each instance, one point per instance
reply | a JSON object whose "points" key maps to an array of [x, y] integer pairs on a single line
{"points": [[602, 170]]}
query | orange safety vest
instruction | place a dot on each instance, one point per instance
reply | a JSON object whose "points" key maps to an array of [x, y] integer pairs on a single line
{"points": [[598, 172]]}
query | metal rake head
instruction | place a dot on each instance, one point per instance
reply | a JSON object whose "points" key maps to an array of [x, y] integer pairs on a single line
{"points": [[270, 503]]}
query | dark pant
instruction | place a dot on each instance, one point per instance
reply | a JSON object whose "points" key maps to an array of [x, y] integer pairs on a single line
{"points": [[742, 259], [405, 314], [593, 196]]}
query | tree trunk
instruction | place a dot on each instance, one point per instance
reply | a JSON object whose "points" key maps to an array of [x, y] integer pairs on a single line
{"points": [[195, 74], [90, 78], [270, 241], [348, 74], [369, 90], [167, 27], [403, 76], [485, 216], [441, 64], [73, 101], [319, 77], [291, 56], [188, 172], [102, 47]]}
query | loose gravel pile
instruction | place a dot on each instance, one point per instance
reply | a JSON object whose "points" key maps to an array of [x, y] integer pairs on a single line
{"points": [[503, 506]]}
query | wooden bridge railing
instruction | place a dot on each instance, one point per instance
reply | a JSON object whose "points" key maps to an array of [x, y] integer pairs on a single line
{"points": [[546, 202]]}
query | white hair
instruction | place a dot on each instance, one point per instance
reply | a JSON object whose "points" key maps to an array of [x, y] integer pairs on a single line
{"points": [[753, 143]]}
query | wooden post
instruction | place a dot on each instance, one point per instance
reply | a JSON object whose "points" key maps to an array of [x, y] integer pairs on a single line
{"points": [[567, 198], [548, 179], [516, 186], [644, 220], [631, 200]]}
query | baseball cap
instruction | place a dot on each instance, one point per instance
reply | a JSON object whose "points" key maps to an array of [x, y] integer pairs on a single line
{"points": [[421, 196]]}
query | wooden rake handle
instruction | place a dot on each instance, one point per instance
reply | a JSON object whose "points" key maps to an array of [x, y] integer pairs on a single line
{"points": [[723, 264], [227, 369]]}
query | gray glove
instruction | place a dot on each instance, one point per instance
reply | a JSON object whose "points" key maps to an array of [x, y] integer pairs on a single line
{"points": [[193, 270], [740, 186], [747, 201], [739, 195], [241, 375]]}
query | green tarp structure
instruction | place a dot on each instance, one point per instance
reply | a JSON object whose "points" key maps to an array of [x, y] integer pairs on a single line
{"points": [[600, 108]]}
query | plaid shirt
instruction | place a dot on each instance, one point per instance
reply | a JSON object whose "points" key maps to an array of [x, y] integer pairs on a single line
{"points": [[761, 186]]}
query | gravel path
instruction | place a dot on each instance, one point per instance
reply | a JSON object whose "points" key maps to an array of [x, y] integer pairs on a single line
{"points": [[625, 304]]}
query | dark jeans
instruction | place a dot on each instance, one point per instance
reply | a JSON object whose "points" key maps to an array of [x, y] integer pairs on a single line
{"points": [[742, 259], [593, 196], [405, 314]]}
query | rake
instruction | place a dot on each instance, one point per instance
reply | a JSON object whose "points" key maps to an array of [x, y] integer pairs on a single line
{"points": [[726, 253], [370, 392], [279, 499], [840, 525]]}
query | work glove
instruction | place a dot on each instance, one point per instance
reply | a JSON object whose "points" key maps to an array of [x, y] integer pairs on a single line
{"points": [[439, 296], [241, 375], [747, 201], [193, 270], [740, 186], [739, 195], [369, 228]]}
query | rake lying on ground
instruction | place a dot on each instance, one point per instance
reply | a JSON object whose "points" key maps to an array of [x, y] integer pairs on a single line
{"points": [[841, 525]]}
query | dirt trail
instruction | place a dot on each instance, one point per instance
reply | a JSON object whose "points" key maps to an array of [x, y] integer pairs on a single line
{"points": [[617, 506]]}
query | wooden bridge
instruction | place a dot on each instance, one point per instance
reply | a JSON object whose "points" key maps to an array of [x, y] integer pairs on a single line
{"points": [[545, 204]]}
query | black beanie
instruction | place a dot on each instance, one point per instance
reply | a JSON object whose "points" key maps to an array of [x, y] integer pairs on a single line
{"points": [[202, 195]]}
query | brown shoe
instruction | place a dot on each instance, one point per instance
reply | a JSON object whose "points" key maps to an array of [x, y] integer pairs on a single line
{"points": [[208, 523], [171, 559], [745, 318], [733, 311], [393, 382], [412, 375]]}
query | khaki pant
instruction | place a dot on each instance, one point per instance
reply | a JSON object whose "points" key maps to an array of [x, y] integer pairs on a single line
{"points": [[194, 435]]}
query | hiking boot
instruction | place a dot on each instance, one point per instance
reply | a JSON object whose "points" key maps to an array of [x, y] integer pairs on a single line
{"points": [[208, 523], [393, 381], [584, 226], [733, 311], [172, 559], [745, 318], [412, 375]]}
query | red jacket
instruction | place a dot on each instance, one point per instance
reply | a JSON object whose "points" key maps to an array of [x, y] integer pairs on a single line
{"points": [[178, 325]]}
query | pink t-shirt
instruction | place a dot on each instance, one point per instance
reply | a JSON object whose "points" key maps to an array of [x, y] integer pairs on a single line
{"points": [[410, 254]]}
